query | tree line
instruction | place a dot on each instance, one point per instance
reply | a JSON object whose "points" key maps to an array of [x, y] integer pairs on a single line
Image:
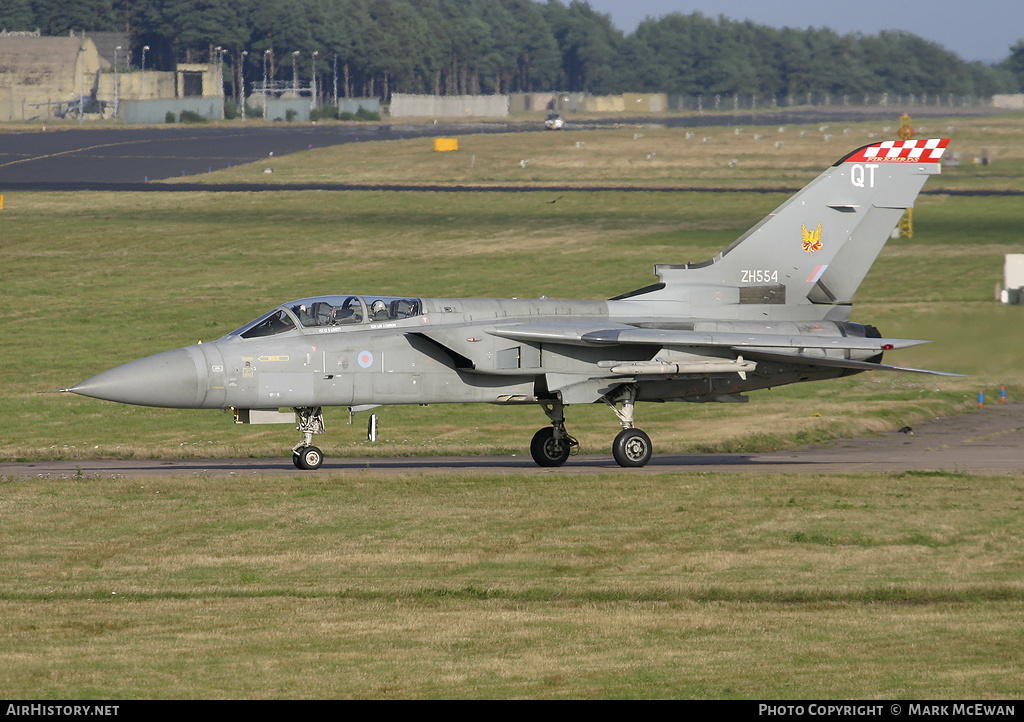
{"points": [[373, 48]]}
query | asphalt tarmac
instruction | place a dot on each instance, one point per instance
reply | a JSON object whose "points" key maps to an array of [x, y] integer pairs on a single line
{"points": [[987, 441], [126, 158]]}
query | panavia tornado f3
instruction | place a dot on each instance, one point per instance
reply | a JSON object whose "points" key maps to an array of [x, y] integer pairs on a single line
{"points": [[771, 309]]}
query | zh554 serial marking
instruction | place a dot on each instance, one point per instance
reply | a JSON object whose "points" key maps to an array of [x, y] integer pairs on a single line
{"points": [[773, 308]]}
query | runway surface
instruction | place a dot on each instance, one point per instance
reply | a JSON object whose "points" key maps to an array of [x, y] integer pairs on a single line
{"points": [[111, 159], [987, 441]]}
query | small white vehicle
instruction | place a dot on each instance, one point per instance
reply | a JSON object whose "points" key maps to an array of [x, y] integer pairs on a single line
{"points": [[554, 121]]}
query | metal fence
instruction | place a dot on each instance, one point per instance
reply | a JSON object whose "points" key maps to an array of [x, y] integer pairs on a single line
{"points": [[730, 103], [498, 106]]}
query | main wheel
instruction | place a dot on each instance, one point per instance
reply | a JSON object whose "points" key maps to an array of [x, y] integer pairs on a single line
{"points": [[546, 450], [632, 447], [308, 458]]}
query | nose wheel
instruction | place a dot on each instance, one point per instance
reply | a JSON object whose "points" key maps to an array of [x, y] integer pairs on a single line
{"points": [[308, 458], [305, 456]]}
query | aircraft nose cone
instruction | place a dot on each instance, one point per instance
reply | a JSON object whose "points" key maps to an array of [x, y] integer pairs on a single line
{"points": [[173, 379]]}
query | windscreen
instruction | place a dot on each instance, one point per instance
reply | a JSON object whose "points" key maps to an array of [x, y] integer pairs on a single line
{"points": [[273, 323]]}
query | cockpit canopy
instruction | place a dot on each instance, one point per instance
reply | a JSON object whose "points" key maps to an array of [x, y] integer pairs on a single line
{"points": [[331, 311]]}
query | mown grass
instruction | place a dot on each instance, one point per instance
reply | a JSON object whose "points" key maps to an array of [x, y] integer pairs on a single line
{"points": [[539, 585]]}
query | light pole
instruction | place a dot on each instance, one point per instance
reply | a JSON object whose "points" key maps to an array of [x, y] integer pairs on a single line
{"points": [[241, 80], [117, 80], [312, 83], [81, 79], [144, 49], [295, 74], [266, 56], [335, 78], [219, 51]]}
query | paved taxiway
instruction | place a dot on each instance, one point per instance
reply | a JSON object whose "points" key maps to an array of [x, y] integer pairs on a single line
{"points": [[982, 441]]}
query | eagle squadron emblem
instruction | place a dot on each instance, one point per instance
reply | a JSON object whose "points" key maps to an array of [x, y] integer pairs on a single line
{"points": [[812, 239]]}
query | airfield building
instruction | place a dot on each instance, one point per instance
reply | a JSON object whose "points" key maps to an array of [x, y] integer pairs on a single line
{"points": [[52, 77], [39, 73]]}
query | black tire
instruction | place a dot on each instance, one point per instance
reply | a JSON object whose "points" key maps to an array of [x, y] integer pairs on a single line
{"points": [[546, 450], [309, 458], [632, 447]]}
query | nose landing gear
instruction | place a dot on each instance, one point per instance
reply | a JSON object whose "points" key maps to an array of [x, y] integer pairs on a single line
{"points": [[305, 456]]}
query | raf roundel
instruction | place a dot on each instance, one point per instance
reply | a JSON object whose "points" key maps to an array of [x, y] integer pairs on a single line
{"points": [[365, 359]]}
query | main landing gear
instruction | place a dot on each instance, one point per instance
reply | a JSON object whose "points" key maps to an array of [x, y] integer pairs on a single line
{"points": [[304, 455], [552, 445], [632, 447]]}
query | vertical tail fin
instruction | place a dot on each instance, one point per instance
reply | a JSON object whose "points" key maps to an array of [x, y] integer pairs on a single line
{"points": [[816, 248]]}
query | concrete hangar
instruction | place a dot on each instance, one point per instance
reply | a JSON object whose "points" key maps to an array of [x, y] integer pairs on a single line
{"points": [[93, 75]]}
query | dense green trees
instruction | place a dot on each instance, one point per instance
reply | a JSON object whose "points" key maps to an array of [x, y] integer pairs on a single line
{"points": [[1014, 65], [377, 47]]}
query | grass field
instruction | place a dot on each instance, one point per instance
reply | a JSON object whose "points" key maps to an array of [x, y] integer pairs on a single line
{"points": [[368, 585]]}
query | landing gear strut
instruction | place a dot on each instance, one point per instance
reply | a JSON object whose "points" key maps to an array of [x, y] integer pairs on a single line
{"points": [[552, 445], [311, 421], [632, 447]]}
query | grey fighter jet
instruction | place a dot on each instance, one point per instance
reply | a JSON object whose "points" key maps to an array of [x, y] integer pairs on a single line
{"points": [[773, 308]]}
